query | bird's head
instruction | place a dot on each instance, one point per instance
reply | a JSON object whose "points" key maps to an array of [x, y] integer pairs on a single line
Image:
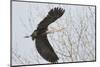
{"points": [[33, 35]]}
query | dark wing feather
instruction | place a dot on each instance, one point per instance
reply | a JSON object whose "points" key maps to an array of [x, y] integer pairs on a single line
{"points": [[42, 44], [44, 48], [52, 16]]}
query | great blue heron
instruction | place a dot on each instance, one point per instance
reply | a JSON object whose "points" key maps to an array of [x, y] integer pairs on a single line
{"points": [[40, 35]]}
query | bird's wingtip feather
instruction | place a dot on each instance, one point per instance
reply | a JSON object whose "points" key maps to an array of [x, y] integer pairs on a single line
{"points": [[56, 12]]}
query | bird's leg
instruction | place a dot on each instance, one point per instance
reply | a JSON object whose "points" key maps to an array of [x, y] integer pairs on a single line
{"points": [[54, 30]]}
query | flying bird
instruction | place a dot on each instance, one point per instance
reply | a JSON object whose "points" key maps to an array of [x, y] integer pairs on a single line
{"points": [[40, 35]]}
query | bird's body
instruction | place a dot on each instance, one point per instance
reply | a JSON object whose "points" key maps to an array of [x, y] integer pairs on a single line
{"points": [[42, 44]]}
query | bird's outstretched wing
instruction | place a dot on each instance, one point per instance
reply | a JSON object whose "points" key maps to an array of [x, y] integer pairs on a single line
{"points": [[52, 16], [45, 50], [42, 44]]}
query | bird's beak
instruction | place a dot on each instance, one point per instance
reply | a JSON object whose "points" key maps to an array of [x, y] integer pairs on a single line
{"points": [[26, 36]]}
